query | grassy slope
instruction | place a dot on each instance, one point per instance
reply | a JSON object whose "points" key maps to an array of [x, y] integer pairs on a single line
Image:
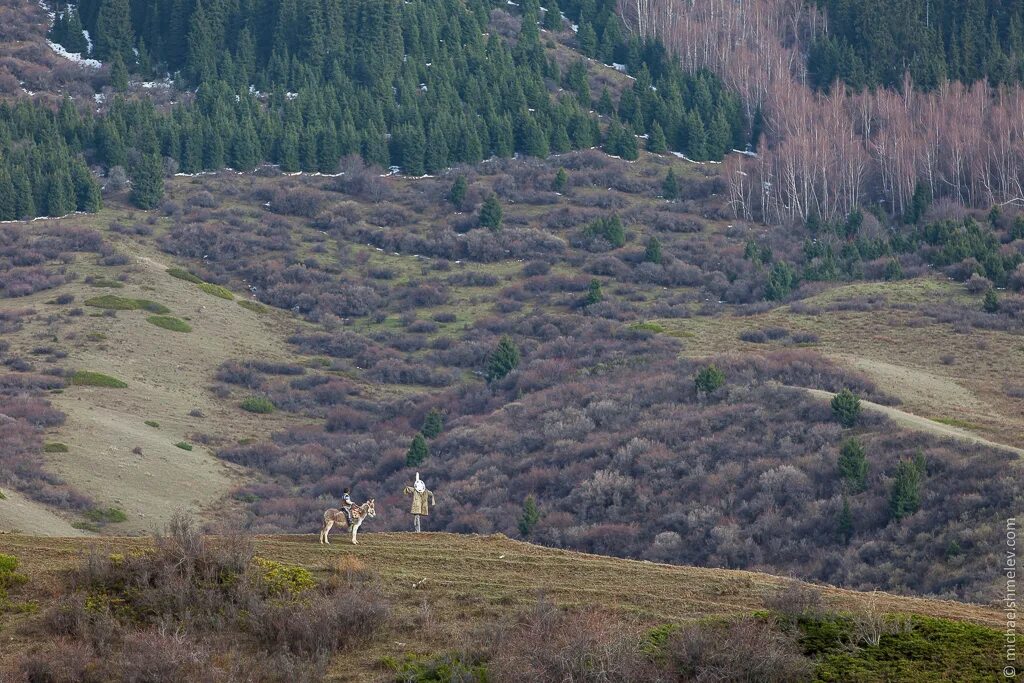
{"points": [[459, 582], [167, 375]]}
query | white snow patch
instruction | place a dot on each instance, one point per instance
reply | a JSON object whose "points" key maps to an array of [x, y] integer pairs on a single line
{"points": [[290, 95], [619, 67], [88, 40], [73, 56]]}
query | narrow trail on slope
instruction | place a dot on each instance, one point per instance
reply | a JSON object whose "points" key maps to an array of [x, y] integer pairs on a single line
{"points": [[921, 423]]}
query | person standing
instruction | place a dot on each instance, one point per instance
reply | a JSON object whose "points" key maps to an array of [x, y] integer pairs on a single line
{"points": [[420, 505]]}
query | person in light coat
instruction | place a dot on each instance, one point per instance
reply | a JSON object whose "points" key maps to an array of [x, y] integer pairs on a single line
{"points": [[419, 494]]}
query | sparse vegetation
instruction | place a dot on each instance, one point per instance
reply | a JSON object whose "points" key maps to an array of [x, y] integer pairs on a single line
{"points": [[152, 423], [183, 274], [111, 302], [170, 323], [184, 445], [252, 306], [106, 515], [217, 291], [55, 447], [258, 404], [87, 378]]}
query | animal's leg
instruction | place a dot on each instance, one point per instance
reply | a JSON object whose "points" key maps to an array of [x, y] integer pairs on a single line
{"points": [[417, 518], [355, 530], [327, 530]]}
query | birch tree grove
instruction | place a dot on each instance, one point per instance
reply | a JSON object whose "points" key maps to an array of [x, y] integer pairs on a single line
{"points": [[824, 154]]}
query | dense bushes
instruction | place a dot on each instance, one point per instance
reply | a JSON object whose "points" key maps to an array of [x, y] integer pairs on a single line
{"points": [[224, 605]]}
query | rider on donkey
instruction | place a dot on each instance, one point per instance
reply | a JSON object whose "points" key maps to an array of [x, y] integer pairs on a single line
{"points": [[346, 506]]}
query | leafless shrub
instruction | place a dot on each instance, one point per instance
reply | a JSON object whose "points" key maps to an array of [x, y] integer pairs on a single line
{"points": [[746, 650]]}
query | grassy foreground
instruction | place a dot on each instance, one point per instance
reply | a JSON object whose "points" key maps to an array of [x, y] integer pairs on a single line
{"points": [[457, 584]]}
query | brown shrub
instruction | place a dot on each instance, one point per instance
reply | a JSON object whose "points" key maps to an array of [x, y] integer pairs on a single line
{"points": [[745, 650]]}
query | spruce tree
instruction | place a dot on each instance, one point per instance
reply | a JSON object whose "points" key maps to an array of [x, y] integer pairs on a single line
{"points": [[656, 142], [491, 213], [553, 16], [503, 360], [594, 293], [418, 451], [586, 38], [8, 206], [147, 181], [118, 73], [457, 193], [670, 186], [991, 302], [433, 424], [846, 408], [558, 184], [114, 31], [905, 497], [853, 465], [652, 254], [531, 515]]}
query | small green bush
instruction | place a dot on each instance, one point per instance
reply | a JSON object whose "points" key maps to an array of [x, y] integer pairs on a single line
{"points": [[152, 423], [444, 667], [258, 404], [106, 516], [85, 526], [85, 378], [9, 578], [253, 306], [120, 303], [110, 301], [96, 336], [55, 447], [217, 290], [284, 579], [2, 496], [152, 306], [709, 379], [183, 274], [170, 323], [184, 445]]}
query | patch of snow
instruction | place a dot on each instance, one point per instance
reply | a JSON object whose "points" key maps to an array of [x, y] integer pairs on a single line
{"points": [[73, 56], [423, 87], [621, 68], [149, 85], [99, 97], [745, 152], [290, 95], [88, 41]]}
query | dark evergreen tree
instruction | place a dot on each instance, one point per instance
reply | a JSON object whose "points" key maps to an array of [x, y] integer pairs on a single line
{"points": [[147, 182], [652, 254], [433, 424], [418, 451], [594, 294], [853, 465], [905, 497], [846, 408], [560, 180], [531, 515], [457, 193], [670, 186], [114, 35], [491, 213], [503, 360]]}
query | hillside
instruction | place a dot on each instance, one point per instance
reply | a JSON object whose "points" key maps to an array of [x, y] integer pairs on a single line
{"points": [[603, 296], [442, 590]]}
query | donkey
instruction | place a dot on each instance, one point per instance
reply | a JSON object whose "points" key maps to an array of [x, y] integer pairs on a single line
{"points": [[335, 516]]}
